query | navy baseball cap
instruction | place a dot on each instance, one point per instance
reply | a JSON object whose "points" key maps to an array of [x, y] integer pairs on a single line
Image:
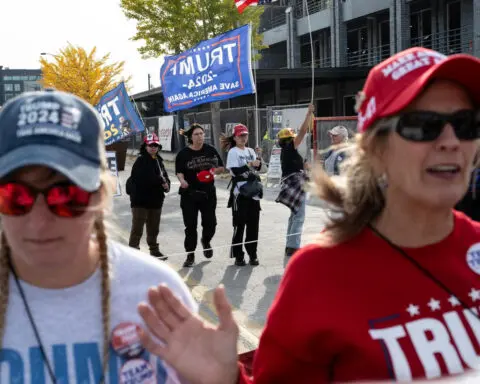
{"points": [[53, 129]]}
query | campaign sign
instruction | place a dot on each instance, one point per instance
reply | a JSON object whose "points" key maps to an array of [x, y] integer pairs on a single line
{"points": [[112, 166], [119, 115], [214, 70]]}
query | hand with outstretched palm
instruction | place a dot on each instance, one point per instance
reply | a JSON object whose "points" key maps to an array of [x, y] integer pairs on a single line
{"points": [[200, 352]]}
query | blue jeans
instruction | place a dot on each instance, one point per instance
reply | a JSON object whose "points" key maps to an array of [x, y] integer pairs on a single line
{"points": [[295, 227]]}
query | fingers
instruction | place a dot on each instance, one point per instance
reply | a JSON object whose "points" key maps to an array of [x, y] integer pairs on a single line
{"points": [[154, 324], [174, 304], [152, 346], [224, 309], [167, 307]]}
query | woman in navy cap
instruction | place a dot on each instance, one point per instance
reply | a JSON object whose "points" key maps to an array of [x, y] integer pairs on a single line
{"points": [[68, 295]]}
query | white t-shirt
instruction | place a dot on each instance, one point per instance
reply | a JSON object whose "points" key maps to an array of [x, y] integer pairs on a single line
{"points": [[69, 322], [238, 158]]}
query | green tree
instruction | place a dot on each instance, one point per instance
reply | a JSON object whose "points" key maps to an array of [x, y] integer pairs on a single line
{"points": [[173, 26]]}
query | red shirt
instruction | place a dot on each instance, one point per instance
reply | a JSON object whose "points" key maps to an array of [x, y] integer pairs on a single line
{"points": [[362, 311]]}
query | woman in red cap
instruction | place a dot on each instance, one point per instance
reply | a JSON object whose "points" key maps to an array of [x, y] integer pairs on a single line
{"points": [[147, 186], [246, 192], [392, 288]]}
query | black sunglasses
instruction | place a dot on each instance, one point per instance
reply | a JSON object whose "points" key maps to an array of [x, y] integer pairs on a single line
{"points": [[423, 126], [153, 145]]}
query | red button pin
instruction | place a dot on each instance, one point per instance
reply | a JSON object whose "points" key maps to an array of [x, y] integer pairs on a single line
{"points": [[125, 340]]}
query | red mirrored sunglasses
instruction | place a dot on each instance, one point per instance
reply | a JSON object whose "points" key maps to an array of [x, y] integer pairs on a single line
{"points": [[63, 199]]}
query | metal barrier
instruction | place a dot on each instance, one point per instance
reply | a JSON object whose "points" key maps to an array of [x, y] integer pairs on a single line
{"points": [[449, 42], [314, 6]]}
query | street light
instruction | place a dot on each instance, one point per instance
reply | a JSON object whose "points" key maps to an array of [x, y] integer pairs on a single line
{"points": [[46, 53]]}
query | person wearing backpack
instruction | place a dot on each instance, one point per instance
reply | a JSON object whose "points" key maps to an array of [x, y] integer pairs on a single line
{"points": [[147, 186], [245, 195]]}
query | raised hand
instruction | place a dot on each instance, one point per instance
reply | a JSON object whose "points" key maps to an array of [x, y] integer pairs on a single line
{"points": [[200, 352]]}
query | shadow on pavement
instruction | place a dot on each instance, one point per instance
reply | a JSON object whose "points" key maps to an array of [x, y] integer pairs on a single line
{"points": [[195, 273], [258, 317]]}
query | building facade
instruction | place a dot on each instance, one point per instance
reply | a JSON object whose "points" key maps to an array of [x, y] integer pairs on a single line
{"points": [[15, 81], [361, 33]]}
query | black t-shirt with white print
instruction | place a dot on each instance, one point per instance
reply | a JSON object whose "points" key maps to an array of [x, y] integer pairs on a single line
{"points": [[190, 162]]}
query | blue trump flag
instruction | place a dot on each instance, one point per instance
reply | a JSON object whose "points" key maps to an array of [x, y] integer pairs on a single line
{"points": [[214, 70], [119, 115]]}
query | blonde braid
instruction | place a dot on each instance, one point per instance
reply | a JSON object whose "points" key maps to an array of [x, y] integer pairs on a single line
{"points": [[104, 266], [4, 284]]}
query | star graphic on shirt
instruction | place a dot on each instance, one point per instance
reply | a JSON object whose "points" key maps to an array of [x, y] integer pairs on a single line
{"points": [[434, 304], [454, 301], [413, 310], [474, 294]]}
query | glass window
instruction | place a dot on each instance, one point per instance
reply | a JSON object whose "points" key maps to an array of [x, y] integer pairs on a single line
{"points": [[8, 87], [16, 78], [349, 105], [454, 27], [18, 87], [384, 35], [6, 78], [421, 28]]}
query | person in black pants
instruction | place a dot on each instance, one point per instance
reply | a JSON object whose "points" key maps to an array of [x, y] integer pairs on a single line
{"points": [[147, 186], [245, 195], [195, 166]]}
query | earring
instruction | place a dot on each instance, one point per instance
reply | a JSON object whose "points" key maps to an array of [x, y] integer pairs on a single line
{"points": [[382, 181]]}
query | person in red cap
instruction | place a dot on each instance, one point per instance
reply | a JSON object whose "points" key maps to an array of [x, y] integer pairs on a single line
{"points": [[391, 290], [147, 186], [196, 166], [245, 194]]}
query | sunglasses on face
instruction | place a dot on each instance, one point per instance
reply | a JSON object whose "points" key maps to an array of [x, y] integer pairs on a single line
{"points": [[153, 145], [63, 199], [423, 126]]}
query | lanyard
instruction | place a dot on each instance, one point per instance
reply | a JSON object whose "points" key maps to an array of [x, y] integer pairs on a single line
{"points": [[35, 329]]}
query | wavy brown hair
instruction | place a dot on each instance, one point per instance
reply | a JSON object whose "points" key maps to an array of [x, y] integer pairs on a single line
{"points": [[361, 199]]}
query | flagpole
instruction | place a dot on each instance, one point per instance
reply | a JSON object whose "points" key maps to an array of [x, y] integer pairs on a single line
{"points": [[257, 127]]}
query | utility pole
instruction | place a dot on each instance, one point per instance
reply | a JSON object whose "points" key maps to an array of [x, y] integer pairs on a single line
{"points": [[149, 85]]}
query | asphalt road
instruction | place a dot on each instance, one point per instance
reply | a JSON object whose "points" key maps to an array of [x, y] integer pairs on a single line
{"points": [[250, 289]]}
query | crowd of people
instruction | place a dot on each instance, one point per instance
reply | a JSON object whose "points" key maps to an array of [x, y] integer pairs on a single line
{"points": [[389, 292], [196, 166]]}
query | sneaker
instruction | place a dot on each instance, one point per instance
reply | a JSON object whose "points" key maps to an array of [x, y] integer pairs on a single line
{"points": [[290, 251], [159, 255], [189, 261], [207, 250], [240, 262], [254, 261]]}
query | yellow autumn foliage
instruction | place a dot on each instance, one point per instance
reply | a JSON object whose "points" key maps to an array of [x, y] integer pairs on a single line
{"points": [[76, 71]]}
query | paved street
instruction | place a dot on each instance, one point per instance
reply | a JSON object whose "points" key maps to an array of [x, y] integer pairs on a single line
{"points": [[250, 289]]}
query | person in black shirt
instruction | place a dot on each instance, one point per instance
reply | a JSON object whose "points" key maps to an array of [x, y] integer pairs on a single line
{"points": [[147, 186], [195, 166], [293, 178]]}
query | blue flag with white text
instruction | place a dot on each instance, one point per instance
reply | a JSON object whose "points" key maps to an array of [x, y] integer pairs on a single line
{"points": [[119, 115], [214, 70]]}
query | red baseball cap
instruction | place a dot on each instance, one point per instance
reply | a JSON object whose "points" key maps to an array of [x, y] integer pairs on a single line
{"points": [[394, 83], [239, 130], [151, 138]]}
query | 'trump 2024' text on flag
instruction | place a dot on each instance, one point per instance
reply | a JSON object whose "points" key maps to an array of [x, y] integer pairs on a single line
{"points": [[214, 70]]}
